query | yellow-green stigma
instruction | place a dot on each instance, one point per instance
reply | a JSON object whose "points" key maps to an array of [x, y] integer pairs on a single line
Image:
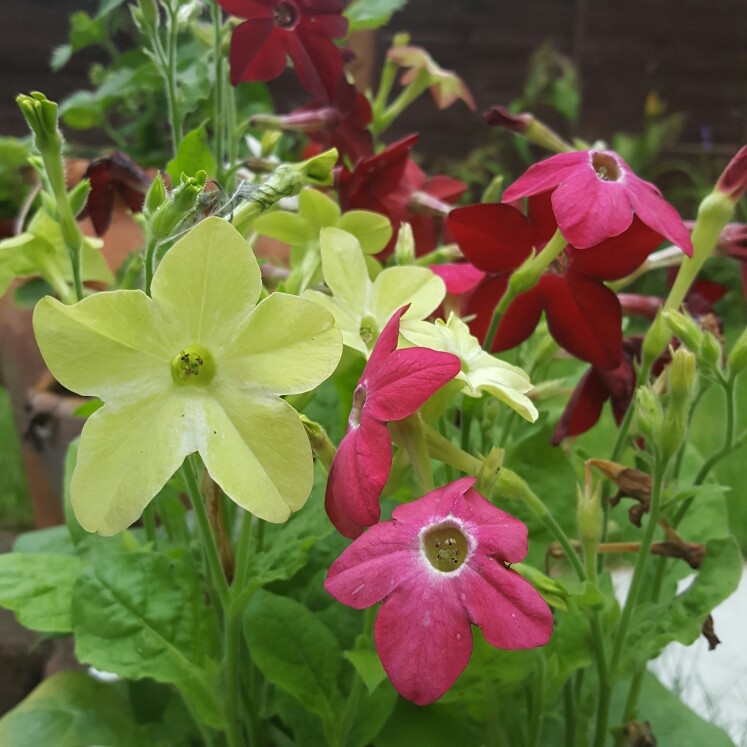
{"points": [[193, 365], [445, 547], [369, 331]]}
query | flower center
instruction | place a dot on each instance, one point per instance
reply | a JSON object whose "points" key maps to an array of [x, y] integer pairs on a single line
{"points": [[369, 331], [286, 15], [606, 166], [445, 547], [359, 399], [193, 365]]}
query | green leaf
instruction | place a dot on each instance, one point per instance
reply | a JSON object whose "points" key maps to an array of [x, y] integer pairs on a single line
{"points": [[60, 57], [368, 666], [372, 230], [372, 14], [374, 710], [38, 587], [681, 619], [140, 615], [294, 650], [70, 710], [281, 225], [51, 540], [672, 722], [86, 31], [192, 155]]}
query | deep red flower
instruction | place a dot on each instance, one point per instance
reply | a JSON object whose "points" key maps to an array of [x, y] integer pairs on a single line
{"points": [[342, 123], [595, 196], [583, 314], [440, 566], [392, 184], [393, 385], [109, 176], [277, 29]]}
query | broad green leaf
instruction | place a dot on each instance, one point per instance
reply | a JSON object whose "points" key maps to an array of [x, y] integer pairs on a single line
{"points": [[681, 619], [38, 587], [372, 14], [70, 710], [372, 230], [55, 540], [140, 615], [368, 666], [192, 155], [294, 650], [374, 710]]}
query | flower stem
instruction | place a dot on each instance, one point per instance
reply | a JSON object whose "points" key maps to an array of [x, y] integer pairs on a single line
{"points": [[538, 703], [409, 434], [175, 115], [218, 94], [441, 448], [410, 93], [523, 279]]}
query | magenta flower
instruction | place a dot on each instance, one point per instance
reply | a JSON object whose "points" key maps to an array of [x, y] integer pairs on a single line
{"points": [[394, 384], [277, 29], [440, 566], [595, 196]]}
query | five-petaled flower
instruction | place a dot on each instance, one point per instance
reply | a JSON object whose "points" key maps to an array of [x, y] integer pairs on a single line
{"points": [[196, 368], [583, 314], [300, 29], [595, 196], [393, 385], [440, 566], [391, 183]]}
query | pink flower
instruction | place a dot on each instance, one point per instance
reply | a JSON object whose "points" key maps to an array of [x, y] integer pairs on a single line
{"points": [[300, 29], [394, 384], [440, 566], [595, 196]]}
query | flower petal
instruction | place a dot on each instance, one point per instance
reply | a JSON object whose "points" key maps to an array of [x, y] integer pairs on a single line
{"points": [[289, 345], [520, 318], [423, 637], [382, 558], [126, 455], [433, 506], [256, 449], [505, 382], [359, 473], [459, 277], [584, 407], [110, 345], [396, 287], [481, 304], [585, 318], [494, 238], [509, 610], [345, 270], [209, 281], [248, 8], [257, 52], [545, 175], [317, 61]]}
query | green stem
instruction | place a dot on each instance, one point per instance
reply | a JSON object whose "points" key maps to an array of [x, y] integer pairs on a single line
{"points": [[410, 93], [569, 707], [525, 278], [386, 82], [219, 120], [538, 702], [231, 652], [409, 434], [189, 473], [149, 262], [441, 448]]}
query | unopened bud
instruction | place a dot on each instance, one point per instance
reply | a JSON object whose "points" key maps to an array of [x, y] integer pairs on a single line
{"points": [[648, 413], [78, 195], [404, 249], [149, 12], [680, 385], [323, 448], [493, 191], [553, 591], [181, 204], [710, 352], [529, 127], [685, 328], [733, 181], [41, 115], [401, 39], [589, 516], [155, 197], [655, 342], [738, 356]]}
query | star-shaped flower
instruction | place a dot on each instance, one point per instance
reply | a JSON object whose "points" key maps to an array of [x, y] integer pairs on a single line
{"points": [[583, 314], [300, 29], [361, 307], [196, 368], [440, 566], [480, 371], [596, 195], [393, 385], [391, 183]]}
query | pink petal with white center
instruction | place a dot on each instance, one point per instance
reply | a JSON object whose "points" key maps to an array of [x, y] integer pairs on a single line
{"points": [[423, 636], [358, 475], [459, 277], [382, 558], [658, 214], [590, 210], [406, 380], [545, 175], [509, 610], [496, 533]]}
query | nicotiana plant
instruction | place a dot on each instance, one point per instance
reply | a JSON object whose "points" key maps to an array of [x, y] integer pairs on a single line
{"points": [[375, 409]]}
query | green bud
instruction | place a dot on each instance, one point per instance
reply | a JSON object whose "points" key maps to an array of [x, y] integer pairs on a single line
{"points": [[680, 385], [78, 195], [685, 328], [318, 171], [404, 249], [401, 39], [181, 204], [648, 414], [493, 191], [324, 450], [589, 517], [738, 356], [157, 195], [41, 116], [487, 477], [553, 591], [270, 139], [149, 13], [710, 352], [656, 340]]}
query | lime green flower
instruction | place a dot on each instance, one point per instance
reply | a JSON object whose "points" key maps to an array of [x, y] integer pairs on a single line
{"points": [[196, 368], [361, 307], [301, 230], [481, 372]]}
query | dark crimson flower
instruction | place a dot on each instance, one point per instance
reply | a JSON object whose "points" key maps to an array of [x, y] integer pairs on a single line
{"points": [[392, 184], [440, 566], [583, 314], [393, 385], [733, 181], [596, 195], [342, 123], [112, 175], [277, 29]]}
